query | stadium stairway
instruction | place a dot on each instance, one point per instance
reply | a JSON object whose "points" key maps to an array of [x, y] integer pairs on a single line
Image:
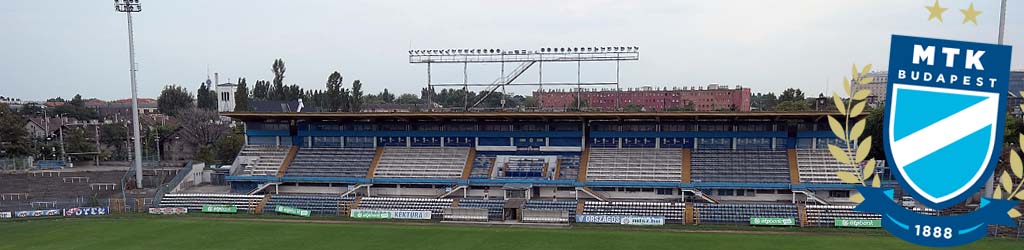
{"points": [[558, 168], [376, 160], [687, 153], [287, 161], [584, 161], [688, 215], [794, 168], [592, 193], [801, 211], [263, 203], [469, 164]]}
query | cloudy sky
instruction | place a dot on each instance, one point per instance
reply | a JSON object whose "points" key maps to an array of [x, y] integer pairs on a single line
{"points": [[63, 47]]}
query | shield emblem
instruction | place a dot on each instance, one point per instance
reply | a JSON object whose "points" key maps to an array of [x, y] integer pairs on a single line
{"points": [[944, 114]]}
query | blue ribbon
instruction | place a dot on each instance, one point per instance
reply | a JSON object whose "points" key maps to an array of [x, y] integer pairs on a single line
{"points": [[921, 229]]}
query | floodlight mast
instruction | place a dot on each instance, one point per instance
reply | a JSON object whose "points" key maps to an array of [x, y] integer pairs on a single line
{"points": [[525, 59], [127, 7]]}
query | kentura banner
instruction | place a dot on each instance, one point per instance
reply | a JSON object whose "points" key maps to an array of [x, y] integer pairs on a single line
{"points": [[292, 211], [168, 210], [86, 211], [38, 213], [5, 215], [621, 219], [229, 209], [389, 214]]}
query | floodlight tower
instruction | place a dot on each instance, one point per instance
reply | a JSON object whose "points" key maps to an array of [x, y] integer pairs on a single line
{"points": [[127, 7]]}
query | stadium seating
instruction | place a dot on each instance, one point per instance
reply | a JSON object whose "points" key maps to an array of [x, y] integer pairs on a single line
{"points": [[822, 215], [570, 166], [739, 166], [740, 214], [318, 204], [672, 211], [568, 205], [655, 165], [331, 162], [482, 165], [196, 201], [435, 206], [545, 216], [493, 206], [262, 160], [439, 163], [465, 214], [819, 167], [63, 189], [523, 168]]}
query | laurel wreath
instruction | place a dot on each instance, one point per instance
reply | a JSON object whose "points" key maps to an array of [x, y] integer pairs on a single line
{"points": [[1006, 179], [853, 150]]}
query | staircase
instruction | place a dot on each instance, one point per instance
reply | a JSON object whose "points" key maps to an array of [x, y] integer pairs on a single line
{"points": [[592, 193], [811, 196], [469, 164], [376, 160], [584, 160], [287, 161], [794, 168], [503, 80], [702, 195], [686, 165], [454, 189]]}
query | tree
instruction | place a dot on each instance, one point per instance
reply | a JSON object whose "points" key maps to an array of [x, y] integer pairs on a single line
{"points": [[206, 96], [242, 97], [792, 100], [278, 91], [408, 99], [334, 92], [14, 139], [228, 146], [76, 108], [174, 99], [356, 99], [202, 129], [261, 90], [386, 97], [764, 102], [873, 127]]}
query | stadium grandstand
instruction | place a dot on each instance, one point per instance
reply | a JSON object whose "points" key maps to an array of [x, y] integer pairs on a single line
{"points": [[542, 167]]}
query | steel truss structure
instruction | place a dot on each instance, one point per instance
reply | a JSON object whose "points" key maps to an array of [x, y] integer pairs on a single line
{"points": [[525, 60]]}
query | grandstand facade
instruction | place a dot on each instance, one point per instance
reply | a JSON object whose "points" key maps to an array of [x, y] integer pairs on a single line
{"points": [[712, 168], [713, 97]]}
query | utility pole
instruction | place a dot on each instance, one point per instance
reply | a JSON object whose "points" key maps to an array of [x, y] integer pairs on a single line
{"points": [[129, 6]]}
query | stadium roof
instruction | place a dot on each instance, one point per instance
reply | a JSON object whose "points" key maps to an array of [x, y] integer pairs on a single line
{"points": [[252, 116]]}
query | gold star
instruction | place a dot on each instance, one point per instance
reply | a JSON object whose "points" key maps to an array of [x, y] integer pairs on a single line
{"points": [[970, 14], [935, 11]]}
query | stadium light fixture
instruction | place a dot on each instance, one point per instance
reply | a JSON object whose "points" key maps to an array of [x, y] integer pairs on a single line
{"points": [[127, 7]]}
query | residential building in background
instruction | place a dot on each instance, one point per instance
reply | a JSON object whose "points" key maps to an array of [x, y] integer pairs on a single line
{"points": [[714, 97], [879, 81]]}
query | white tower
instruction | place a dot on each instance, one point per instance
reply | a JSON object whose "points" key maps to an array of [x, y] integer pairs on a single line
{"points": [[225, 96]]}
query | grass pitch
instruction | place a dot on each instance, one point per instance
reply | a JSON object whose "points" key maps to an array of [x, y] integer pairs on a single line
{"points": [[198, 233]]}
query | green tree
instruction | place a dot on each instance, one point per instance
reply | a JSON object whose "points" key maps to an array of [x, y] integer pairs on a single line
{"points": [[873, 127], [174, 99], [75, 108], [229, 145], [278, 91], [334, 92], [386, 97], [261, 90], [408, 99], [206, 96], [1012, 128], [792, 100], [14, 139], [764, 102], [356, 99], [242, 97]]}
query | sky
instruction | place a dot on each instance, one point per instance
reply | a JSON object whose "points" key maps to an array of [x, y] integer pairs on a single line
{"points": [[67, 47]]}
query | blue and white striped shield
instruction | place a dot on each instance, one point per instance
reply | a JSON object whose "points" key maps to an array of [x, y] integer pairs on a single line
{"points": [[944, 116]]}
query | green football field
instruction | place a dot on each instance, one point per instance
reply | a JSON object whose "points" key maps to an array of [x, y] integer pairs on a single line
{"points": [[198, 233]]}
